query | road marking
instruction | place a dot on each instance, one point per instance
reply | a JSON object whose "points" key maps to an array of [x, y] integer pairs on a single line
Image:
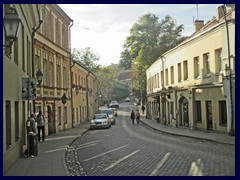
{"points": [[159, 165], [89, 143], [196, 168], [105, 153], [120, 160], [84, 146], [60, 149]]}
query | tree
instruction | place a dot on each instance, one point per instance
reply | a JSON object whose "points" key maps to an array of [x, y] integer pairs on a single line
{"points": [[148, 40], [87, 57]]}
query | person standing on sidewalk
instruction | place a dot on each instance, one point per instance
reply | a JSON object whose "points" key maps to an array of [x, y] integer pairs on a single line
{"points": [[138, 116], [132, 116], [143, 108], [41, 125]]}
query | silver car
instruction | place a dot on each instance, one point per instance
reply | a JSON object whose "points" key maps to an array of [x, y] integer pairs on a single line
{"points": [[100, 121], [110, 113]]}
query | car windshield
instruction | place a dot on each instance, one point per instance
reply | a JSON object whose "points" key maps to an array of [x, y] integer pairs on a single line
{"points": [[114, 102], [100, 116], [107, 111]]}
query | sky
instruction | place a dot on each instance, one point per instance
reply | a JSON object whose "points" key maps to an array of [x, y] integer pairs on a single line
{"points": [[104, 27]]}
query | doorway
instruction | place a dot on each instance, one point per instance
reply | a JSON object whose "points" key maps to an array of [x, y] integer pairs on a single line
{"points": [[209, 115], [184, 112]]}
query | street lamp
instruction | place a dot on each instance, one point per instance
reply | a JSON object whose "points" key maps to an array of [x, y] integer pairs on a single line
{"points": [[11, 23], [64, 100], [39, 76]]}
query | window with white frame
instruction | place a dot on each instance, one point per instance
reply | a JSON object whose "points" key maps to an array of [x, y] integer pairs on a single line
{"points": [[179, 72], [185, 70], [166, 77], [172, 74], [218, 60], [196, 67], [206, 60]]}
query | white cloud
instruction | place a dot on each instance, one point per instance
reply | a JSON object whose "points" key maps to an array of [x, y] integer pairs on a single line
{"points": [[109, 24]]}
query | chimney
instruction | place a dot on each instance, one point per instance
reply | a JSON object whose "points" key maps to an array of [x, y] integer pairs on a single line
{"points": [[198, 24], [220, 13]]}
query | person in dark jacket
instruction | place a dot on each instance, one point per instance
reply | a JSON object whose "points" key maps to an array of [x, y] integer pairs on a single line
{"points": [[132, 116], [143, 108], [41, 125]]}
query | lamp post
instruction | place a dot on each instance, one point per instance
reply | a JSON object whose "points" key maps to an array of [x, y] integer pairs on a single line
{"points": [[228, 71], [64, 100], [11, 23]]}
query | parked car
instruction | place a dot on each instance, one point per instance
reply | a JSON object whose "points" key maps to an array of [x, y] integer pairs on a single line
{"points": [[100, 121], [114, 111], [114, 104], [110, 113], [127, 99]]}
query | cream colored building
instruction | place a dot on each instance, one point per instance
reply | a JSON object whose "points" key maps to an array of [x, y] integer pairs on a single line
{"points": [[187, 86], [16, 66], [85, 97], [52, 57]]}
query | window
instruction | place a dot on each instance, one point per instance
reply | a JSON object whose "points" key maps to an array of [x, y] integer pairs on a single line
{"points": [[198, 111], [222, 113], [162, 79], [44, 72], [51, 74], [185, 70], [50, 26], [206, 61], [196, 67], [179, 72], [16, 122], [58, 76], [44, 25], [166, 77], [57, 35], [37, 63], [28, 57], [218, 57], [8, 125], [16, 52], [158, 80], [23, 49], [59, 116], [64, 77], [172, 74]]}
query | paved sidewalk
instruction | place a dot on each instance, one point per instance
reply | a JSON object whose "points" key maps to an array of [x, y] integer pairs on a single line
{"points": [[51, 153], [186, 132]]}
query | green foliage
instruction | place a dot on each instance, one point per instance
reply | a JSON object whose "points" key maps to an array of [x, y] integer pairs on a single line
{"points": [[148, 40], [87, 57]]}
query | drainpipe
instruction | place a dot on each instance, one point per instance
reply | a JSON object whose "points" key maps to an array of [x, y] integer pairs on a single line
{"points": [[33, 54], [70, 65], [87, 91]]}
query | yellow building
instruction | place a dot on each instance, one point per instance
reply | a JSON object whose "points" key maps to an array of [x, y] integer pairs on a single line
{"points": [[85, 97], [52, 57], [17, 65], [188, 86]]}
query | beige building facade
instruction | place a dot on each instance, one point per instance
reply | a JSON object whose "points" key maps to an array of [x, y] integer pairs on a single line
{"points": [[43, 43], [17, 64], [52, 57], [85, 93], [188, 87]]}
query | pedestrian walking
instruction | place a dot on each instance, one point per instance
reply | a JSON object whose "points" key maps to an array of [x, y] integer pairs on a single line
{"points": [[138, 116], [143, 108], [132, 116], [40, 125]]}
